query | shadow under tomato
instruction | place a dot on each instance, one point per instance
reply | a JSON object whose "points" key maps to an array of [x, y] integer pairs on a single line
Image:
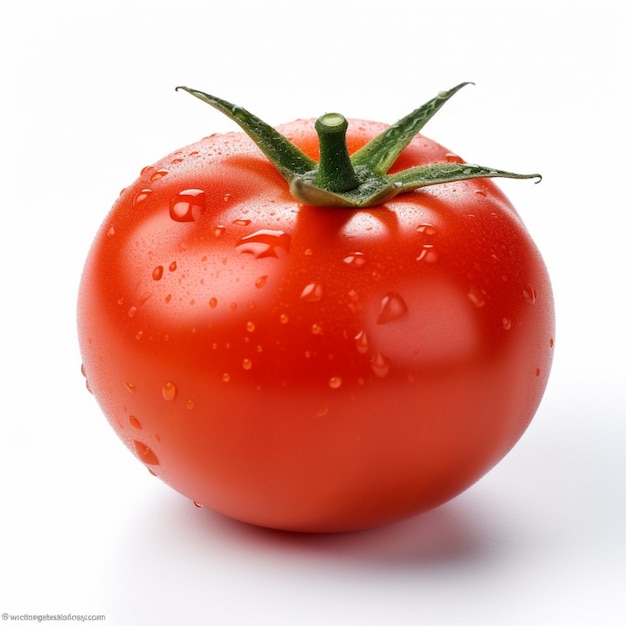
{"points": [[448, 535]]}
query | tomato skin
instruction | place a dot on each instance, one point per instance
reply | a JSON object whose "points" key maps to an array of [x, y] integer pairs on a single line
{"points": [[307, 368]]}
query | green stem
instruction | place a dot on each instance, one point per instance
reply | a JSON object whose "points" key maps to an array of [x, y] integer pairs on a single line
{"points": [[335, 172], [361, 180]]}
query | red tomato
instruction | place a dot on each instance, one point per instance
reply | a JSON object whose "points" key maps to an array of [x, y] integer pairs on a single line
{"points": [[313, 368]]}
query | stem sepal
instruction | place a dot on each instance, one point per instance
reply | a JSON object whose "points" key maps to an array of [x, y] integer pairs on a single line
{"points": [[360, 180]]}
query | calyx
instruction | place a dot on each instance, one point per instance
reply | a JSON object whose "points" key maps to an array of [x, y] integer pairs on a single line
{"points": [[359, 180]]}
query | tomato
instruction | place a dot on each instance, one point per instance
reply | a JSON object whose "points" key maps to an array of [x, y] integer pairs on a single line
{"points": [[314, 368]]}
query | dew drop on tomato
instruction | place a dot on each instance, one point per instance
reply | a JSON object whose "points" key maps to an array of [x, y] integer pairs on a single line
{"points": [[426, 230], [159, 174], [477, 297], [428, 254], [530, 294], [157, 272], [188, 205], [335, 382], [313, 292], [134, 422], [357, 259], [169, 390], [392, 307], [141, 196], [362, 342], [265, 243], [145, 453], [380, 365]]}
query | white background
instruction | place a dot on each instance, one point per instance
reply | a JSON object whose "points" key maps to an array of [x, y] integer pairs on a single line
{"points": [[87, 99]]}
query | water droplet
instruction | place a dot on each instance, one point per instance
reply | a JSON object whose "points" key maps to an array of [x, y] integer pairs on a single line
{"points": [[159, 174], [190, 404], [427, 230], [132, 311], [316, 329], [380, 365], [362, 342], [250, 327], [426, 236], [188, 205], [357, 259], [213, 302], [134, 422], [157, 272], [246, 364], [265, 243], [313, 292], [168, 390], [131, 388], [392, 307], [453, 158], [506, 323], [335, 382], [226, 197], [481, 193], [219, 230], [141, 196], [226, 377], [428, 254], [172, 266], [530, 294], [111, 231], [241, 222], [144, 298], [198, 505], [145, 454], [83, 371], [476, 296], [168, 298], [551, 343], [537, 372], [260, 281], [284, 318]]}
